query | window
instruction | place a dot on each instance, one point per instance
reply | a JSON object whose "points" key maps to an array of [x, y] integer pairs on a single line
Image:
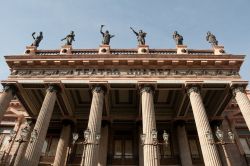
{"points": [[165, 150], [123, 148], [50, 146], [245, 145], [194, 148], [79, 147]]}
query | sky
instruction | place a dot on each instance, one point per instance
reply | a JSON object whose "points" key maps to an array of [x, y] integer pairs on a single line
{"points": [[228, 20]]}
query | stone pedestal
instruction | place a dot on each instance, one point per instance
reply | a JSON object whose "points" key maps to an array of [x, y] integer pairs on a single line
{"points": [[243, 102], [103, 150], [218, 50], [143, 49], [182, 49], [209, 151], [66, 49], [30, 50], [150, 151], [61, 151], [104, 49], [90, 156], [39, 132], [183, 145], [5, 99]]}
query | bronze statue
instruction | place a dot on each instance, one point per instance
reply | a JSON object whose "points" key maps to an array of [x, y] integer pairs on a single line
{"points": [[178, 38], [106, 36], [211, 39], [140, 36], [69, 38], [37, 39]]}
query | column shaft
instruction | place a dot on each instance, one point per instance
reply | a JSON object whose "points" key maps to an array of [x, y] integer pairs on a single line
{"points": [[209, 151], [38, 135], [244, 104], [61, 151], [150, 151], [90, 156], [184, 146], [5, 98], [23, 144], [103, 150]]}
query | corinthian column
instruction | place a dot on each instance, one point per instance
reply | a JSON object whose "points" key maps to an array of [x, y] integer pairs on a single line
{"points": [[150, 151], [183, 145], [63, 143], [23, 143], [5, 98], [209, 151], [244, 103], [90, 156], [39, 132]]}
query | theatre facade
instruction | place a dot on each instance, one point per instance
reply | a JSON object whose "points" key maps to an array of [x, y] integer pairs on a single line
{"points": [[137, 107]]}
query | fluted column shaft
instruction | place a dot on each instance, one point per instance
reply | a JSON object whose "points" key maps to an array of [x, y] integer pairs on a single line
{"points": [[244, 103], [39, 132], [183, 145], [5, 98], [209, 151], [150, 151], [61, 151], [90, 156], [103, 150], [23, 141]]}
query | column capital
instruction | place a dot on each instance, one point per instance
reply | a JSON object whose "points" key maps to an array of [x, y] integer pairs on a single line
{"points": [[98, 89], [147, 89], [194, 88], [237, 89], [53, 88], [7, 88]]}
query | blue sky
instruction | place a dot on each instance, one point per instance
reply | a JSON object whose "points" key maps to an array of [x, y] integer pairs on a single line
{"points": [[227, 19]]}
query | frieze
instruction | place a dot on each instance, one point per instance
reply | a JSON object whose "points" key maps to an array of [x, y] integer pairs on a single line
{"points": [[92, 72]]}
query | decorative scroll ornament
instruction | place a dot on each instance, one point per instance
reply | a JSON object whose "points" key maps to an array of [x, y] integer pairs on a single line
{"points": [[53, 88], [8, 88], [147, 89], [195, 89], [97, 89], [235, 90], [33, 136]]}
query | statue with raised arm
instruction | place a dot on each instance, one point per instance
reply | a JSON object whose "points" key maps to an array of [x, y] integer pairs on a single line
{"points": [[140, 36], [69, 38], [178, 38], [106, 36], [37, 39], [211, 39]]}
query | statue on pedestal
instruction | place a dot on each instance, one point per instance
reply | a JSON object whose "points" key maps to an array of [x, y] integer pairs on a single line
{"points": [[37, 39], [69, 38], [140, 36], [106, 36], [178, 38], [211, 39]]}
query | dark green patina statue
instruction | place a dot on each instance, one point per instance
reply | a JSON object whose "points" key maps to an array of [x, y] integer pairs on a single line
{"points": [[211, 39], [140, 36], [106, 36], [69, 38], [178, 38], [37, 39]]}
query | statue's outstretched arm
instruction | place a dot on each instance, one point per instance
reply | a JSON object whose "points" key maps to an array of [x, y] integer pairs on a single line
{"points": [[112, 36], [101, 29], [63, 39], [33, 35], [134, 31]]}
